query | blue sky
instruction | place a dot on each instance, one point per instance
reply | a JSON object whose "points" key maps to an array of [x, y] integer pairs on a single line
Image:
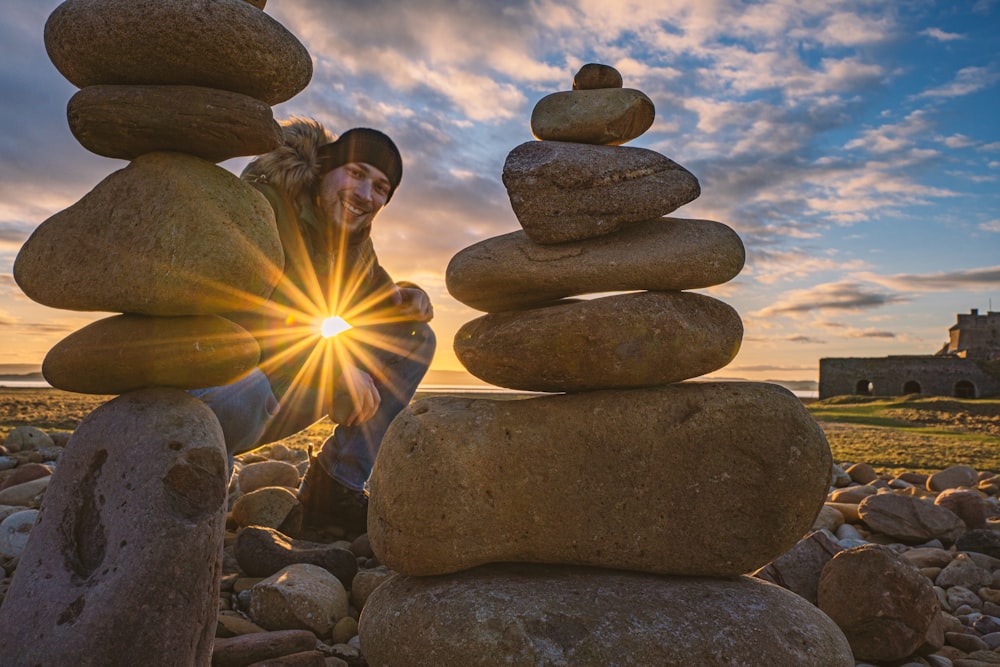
{"points": [[853, 144]]}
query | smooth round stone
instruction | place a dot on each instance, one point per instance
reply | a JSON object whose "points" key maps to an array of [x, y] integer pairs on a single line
{"points": [[299, 597], [511, 272], [596, 75], [909, 520], [14, 531], [126, 352], [170, 234], [700, 478], [127, 121], [606, 116], [639, 339], [585, 617], [227, 44], [562, 191], [257, 475]]}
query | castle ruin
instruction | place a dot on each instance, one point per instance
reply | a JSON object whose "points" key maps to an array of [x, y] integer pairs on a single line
{"points": [[967, 366]]}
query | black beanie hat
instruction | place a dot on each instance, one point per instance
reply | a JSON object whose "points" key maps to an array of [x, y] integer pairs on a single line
{"points": [[363, 144]]}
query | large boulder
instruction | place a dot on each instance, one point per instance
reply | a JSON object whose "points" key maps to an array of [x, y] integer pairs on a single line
{"points": [[639, 339], [510, 272], [127, 121], [227, 44], [126, 352], [565, 191], [711, 479], [125, 558], [588, 617], [170, 234]]}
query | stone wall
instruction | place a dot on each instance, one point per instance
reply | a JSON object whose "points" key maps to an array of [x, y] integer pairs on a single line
{"points": [[899, 375]]}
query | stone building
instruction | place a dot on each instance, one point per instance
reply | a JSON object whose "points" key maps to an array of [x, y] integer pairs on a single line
{"points": [[968, 366]]}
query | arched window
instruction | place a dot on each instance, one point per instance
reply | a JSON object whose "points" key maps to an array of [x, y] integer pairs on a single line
{"points": [[911, 387], [863, 388], [965, 389]]}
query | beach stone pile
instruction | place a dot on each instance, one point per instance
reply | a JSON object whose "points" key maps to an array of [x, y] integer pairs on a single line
{"points": [[554, 529], [136, 508]]}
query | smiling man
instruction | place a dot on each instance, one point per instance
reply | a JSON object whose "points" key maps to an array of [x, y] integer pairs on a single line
{"points": [[325, 193]]}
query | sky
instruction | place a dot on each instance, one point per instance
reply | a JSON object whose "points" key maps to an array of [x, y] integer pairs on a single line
{"points": [[854, 145]]}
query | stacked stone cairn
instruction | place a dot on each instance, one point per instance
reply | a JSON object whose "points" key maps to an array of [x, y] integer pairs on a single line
{"points": [[136, 509], [555, 529]]}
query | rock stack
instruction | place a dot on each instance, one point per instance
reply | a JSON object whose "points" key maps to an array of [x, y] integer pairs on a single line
{"points": [[552, 529], [169, 242]]}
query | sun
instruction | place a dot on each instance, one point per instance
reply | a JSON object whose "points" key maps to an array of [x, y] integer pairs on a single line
{"points": [[333, 325]]}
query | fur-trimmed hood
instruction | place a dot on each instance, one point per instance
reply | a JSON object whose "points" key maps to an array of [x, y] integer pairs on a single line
{"points": [[294, 166]]}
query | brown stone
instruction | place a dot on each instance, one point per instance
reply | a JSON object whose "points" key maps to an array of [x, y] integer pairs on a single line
{"points": [[881, 602], [697, 478], [127, 352], [799, 568], [583, 617], [606, 116], [246, 649], [510, 272], [952, 478], [24, 473], [595, 75], [639, 339], [127, 121], [908, 519], [562, 191], [170, 234], [862, 473], [967, 505], [227, 44], [135, 513]]}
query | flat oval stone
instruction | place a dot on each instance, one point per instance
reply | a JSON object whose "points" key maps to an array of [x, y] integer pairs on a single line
{"points": [[126, 352], [640, 339], [227, 44], [170, 234], [585, 617], [126, 121], [563, 191], [700, 478], [605, 116], [510, 272], [596, 75]]}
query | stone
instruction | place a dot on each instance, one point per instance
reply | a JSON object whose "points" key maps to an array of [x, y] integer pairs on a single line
{"points": [[953, 477], [257, 475], [862, 473], [601, 116], [799, 568], [882, 603], [262, 551], [851, 494], [127, 121], [246, 649], [838, 477], [928, 557], [25, 494], [233, 624], [25, 473], [300, 596], [980, 540], [563, 191], [511, 272], [122, 353], [226, 44], [963, 571], [268, 507], [595, 75], [365, 582], [464, 481], [828, 519], [968, 505], [638, 339], [344, 630], [909, 520], [14, 532], [170, 234], [124, 559], [586, 617], [26, 438], [303, 659]]}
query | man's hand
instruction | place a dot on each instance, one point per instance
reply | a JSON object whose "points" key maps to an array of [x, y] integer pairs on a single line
{"points": [[355, 397], [414, 304]]}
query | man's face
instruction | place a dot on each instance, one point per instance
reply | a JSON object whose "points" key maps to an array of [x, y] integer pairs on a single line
{"points": [[351, 195]]}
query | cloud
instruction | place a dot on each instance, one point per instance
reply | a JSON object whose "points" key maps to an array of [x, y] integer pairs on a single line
{"points": [[991, 225], [804, 339], [941, 35], [981, 278], [968, 80], [845, 296]]}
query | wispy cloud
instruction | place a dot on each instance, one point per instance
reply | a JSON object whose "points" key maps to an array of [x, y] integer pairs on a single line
{"points": [[981, 278], [991, 226], [941, 35], [968, 80], [839, 296]]}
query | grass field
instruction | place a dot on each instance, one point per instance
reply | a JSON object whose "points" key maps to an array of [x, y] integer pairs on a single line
{"points": [[915, 433]]}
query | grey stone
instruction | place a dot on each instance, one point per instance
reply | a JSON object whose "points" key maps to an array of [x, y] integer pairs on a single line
{"points": [[562, 191], [246, 649], [262, 551], [126, 121], [799, 568], [170, 234], [953, 477], [668, 480], [582, 617], [26, 438], [113, 536], [639, 339], [510, 272], [300, 596], [259, 474], [127, 352], [227, 44], [595, 75], [604, 116], [908, 519], [14, 532]]}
